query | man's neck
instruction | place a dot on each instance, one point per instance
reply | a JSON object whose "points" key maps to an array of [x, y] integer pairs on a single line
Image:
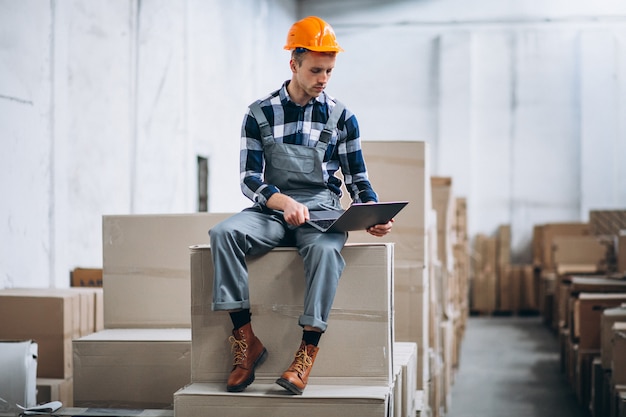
{"points": [[296, 95]]}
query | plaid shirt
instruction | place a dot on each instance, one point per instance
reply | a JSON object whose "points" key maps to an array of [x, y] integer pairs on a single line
{"points": [[302, 125]]}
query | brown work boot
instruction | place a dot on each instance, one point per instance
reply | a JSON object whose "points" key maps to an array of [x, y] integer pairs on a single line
{"points": [[296, 377], [248, 353]]}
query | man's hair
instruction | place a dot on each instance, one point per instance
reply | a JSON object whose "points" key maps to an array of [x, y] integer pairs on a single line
{"points": [[298, 55]]}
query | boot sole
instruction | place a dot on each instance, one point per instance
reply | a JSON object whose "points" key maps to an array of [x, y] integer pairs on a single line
{"points": [[247, 382], [289, 386]]}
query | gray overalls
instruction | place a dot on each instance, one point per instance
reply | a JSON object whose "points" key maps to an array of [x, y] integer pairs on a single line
{"points": [[297, 171]]}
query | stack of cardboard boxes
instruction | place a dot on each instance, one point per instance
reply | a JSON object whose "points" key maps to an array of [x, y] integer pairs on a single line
{"points": [[583, 291], [500, 286], [431, 273], [390, 164], [543, 236], [395, 328], [449, 305], [52, 318], [156, 313], [143, 353], [354, 369], [484, 282]]}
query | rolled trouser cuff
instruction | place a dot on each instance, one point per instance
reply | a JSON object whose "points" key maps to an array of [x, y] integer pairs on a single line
{"points": [[313, 322], [230, 305]]}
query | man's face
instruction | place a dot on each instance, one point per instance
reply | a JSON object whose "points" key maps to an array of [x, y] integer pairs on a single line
{"points": [[313, 75]]}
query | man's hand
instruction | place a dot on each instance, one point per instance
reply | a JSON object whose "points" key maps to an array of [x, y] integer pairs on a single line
{"points": [[380, 230], [294, 213]]}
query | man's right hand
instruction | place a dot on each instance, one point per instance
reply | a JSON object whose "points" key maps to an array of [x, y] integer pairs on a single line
{"points": [[294, 213]]}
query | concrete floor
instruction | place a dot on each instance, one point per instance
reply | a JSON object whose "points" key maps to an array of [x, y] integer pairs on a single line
{"points": [[509, 366]]}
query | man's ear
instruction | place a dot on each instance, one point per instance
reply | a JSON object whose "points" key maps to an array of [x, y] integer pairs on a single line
{"points": [[292, 65]]}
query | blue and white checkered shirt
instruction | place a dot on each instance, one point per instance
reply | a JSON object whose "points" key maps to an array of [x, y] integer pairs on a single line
{"points": [[302, 125]]}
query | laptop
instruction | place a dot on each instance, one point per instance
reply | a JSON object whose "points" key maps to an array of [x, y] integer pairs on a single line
{"points": [[358, 216]]}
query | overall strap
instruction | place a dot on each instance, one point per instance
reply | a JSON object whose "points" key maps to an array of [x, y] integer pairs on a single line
{"points": [[266, 131], [331, 124]]}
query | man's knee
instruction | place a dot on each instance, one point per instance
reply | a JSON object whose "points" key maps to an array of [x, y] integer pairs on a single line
{"points": [[219, 231]]}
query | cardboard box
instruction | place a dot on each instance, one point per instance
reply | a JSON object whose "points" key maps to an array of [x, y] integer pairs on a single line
{"points": [[87, 307], [568, 288], [588, 309], [579, 254], [564, 340], [51, 318], [99, 412], [618, 362], [547, 289], [484, 284], [405, 357], [562, 300], [131, 368], [609, 317], [395, 403], [443, 203], [411, 309], [571, 359], [462, 270], [503, 272], [86, 277], [436, 390], [505, 277], [386, 162], [146, 268], [621, 253], [356, 349], [584, 360], [265, 399], [18, 374], [91, 316], [550, 231], [597, 385], [447, 333], [51, 389], [607, 222], [529, 297], [537, 247], [434, 328], [460, 220], [597, 284]]}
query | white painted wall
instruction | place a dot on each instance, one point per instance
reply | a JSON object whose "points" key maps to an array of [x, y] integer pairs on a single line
{"points": [[104, 107]]}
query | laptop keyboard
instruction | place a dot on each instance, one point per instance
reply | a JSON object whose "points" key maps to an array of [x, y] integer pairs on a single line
{"points": [[323, 223]]}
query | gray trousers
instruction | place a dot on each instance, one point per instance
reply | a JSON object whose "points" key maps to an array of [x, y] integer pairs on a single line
{"points": [[254, 232]]}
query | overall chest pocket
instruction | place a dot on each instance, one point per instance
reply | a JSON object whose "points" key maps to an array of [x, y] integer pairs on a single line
{"points": [[294, 158]]}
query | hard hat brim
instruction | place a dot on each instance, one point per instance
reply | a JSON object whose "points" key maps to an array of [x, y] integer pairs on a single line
{"points": [[315, 48]]}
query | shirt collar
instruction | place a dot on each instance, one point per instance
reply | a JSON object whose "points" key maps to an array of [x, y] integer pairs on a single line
{"points": [[285, 99]]}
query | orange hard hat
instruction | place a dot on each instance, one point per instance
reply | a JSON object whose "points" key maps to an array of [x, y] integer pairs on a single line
{"points": [[314, 34]]}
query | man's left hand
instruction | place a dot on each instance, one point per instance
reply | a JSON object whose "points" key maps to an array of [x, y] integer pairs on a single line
{"points": [[380, 230]]}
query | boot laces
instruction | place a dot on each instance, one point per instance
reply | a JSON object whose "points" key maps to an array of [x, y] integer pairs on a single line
{"points": [[238, 349], [302, 361]]}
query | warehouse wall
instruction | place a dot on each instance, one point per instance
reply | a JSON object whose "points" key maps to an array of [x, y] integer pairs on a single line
{"points": [[105, 107], [522, 102]]}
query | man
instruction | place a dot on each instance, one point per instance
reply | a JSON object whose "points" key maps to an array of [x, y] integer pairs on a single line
{"points": [[293, 143]]}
